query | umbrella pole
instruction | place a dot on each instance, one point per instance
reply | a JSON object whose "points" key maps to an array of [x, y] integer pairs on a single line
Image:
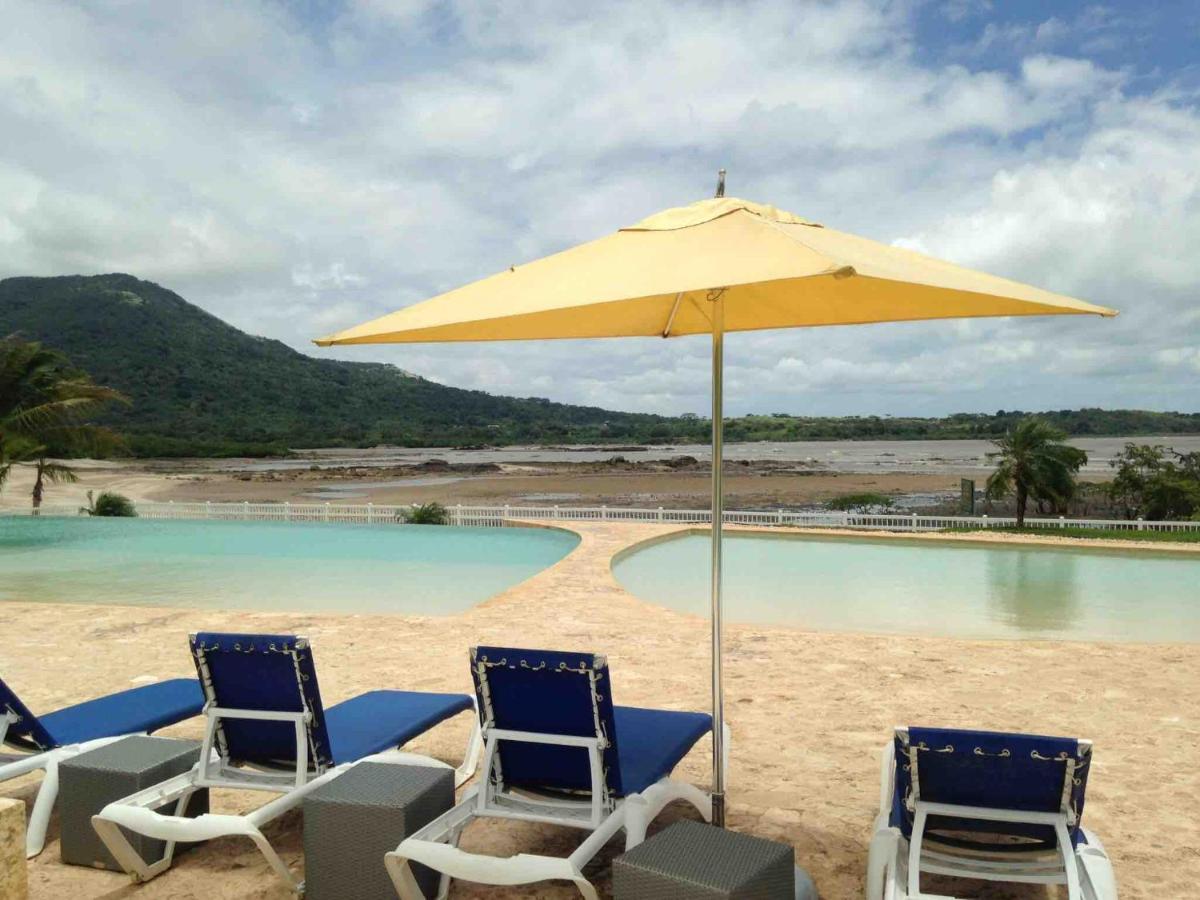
{"points": [[718, 704]]}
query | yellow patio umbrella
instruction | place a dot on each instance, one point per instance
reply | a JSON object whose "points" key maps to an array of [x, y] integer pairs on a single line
{"points": [[715, 266]]}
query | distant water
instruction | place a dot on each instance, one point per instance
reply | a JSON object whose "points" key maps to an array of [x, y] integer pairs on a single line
{"points": [[918, 587], [931, 457], [411, 569]]}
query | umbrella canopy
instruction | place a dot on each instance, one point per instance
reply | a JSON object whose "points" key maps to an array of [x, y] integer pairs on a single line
{"points": [[718, 265], [655, 277]]}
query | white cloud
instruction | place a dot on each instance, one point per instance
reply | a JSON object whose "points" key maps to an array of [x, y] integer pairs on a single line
{"points": [[295, 176], [331, 277]]}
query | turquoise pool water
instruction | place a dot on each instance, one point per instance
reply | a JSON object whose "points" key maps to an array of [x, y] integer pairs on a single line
{"points": [[897, 586], [268, 566]]}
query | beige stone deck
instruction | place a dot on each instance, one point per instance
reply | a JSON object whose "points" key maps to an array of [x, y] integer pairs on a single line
{"points": [[809, 713]]}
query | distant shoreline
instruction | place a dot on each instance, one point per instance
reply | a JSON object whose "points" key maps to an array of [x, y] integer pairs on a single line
{"points": [[913, 475], [280, 451], [967, 456]]}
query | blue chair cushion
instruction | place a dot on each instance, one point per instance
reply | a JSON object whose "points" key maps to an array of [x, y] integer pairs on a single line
{"points": [[145, 708], [653, 741], [382, 720]]}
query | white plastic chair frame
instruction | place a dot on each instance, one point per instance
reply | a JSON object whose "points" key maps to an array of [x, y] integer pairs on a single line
{"points": [[436, 845], [140, 812], [14, 765], [895, 865]]}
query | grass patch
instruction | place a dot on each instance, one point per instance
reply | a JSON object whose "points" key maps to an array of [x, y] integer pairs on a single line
{"points": [[1166, 537]]}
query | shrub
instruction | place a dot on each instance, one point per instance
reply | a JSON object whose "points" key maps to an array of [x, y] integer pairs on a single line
{"points": [[110, 504], [427, 514]]}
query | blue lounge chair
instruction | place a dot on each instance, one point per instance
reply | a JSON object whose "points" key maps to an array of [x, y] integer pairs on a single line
{"points": [[556, 750], [985, 804], [44, 741], [267, 730]]}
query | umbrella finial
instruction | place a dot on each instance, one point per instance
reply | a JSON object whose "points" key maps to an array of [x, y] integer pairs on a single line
{"points": [[720, 183]]}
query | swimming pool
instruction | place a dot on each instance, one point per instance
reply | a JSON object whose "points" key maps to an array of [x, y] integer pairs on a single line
{"points": [[922, 587], [268, 565]]}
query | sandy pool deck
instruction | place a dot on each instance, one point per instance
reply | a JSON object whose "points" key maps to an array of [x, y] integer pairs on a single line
{"points": [[809, 712]]}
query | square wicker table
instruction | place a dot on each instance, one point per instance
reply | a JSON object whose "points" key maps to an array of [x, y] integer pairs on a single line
{"points": [[693, 861], [90, 781], [353, 820]]}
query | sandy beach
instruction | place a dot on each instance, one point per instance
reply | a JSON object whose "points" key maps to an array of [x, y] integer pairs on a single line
{"points": [[809, 712]]}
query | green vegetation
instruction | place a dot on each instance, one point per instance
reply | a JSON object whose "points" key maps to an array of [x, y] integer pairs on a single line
{"points": [[427, 514], [1165, 537], [852, 502], [200, 387], [109, 504], [1151, 485], [1035, 464], [44, 406]]}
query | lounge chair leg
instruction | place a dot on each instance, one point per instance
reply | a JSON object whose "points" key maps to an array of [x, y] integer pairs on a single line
{"points": [[1069, 861], [637, 820], [406, 883], [277, 864], [1097, 879], [127, 858], [585, 888], [43, 806], [881, 855]]}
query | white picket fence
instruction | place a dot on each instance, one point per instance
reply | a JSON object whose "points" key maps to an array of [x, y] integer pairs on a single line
{"points": [[492, 516]]}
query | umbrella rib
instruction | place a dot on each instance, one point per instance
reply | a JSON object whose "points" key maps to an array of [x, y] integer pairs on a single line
{"points": [[671, 318], [834, 265]]}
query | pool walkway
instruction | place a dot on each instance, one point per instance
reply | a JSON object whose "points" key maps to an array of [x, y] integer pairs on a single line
{"points": [[809, 714]]}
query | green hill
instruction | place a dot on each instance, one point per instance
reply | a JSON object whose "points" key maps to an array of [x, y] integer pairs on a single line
{"points": [[200, 386]]}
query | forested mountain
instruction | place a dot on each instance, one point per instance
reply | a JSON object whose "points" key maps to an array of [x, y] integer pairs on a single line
{"points": [[201, 387]]}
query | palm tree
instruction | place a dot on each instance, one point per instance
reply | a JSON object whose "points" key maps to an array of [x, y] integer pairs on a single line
{"points": [[43, 402], [1034, 461], [74, 438], [53, 472]]}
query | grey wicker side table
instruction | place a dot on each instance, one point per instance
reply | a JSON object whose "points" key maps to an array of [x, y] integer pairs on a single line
{"points": [[693, 861], [353, 820], [90, 781]]}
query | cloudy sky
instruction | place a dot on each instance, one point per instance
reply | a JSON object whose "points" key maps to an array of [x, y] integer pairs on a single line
{"points": [[298, 167]]}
